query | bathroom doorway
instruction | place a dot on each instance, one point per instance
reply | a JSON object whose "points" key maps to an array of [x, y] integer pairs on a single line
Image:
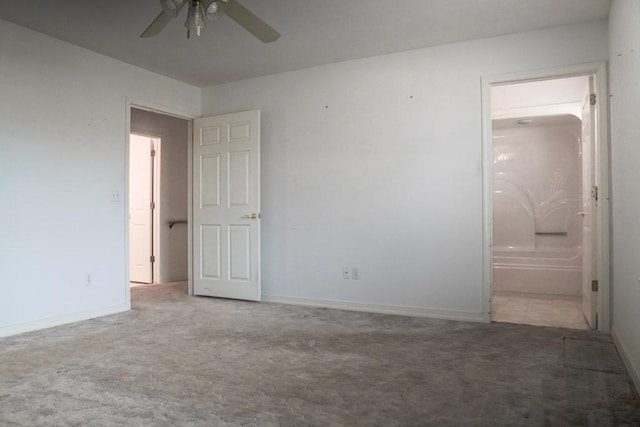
{"points": [[543, 218]]}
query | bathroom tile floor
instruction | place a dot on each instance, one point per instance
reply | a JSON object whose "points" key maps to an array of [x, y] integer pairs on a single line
{"points": [[539, 310]]}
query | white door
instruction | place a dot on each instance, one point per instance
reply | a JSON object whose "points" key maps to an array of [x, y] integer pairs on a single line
{"points": [[226, 206], [589, 217], [140, 209]]}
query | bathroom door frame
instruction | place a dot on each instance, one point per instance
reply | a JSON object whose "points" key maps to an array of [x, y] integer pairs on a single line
{"points": [[602, 231]]}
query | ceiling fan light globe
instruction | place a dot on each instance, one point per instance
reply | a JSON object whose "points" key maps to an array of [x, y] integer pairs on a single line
{"points": [[172, 7], [212, 9]]}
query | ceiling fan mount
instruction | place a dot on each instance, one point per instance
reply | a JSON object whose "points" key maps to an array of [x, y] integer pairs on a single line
{"points": [[201, 11]]}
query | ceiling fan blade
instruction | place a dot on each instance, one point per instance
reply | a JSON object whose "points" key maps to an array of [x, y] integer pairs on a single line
{"points": [[250, 22], [157, 25]]}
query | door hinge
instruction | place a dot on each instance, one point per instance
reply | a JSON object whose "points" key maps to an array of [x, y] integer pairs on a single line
{"points": [[152, 205], [152, 258], [594, 285], [592, 99], [594, 193], [153, 153]]}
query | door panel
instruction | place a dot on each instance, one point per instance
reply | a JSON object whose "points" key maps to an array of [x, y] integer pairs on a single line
{"points": [[589, 249], [227, 205], [210, 241], [140, 212], [239, 178], [210, 181], [240, 252]]}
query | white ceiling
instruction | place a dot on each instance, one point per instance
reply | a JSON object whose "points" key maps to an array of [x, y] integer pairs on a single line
{"points": [[313, 32]]}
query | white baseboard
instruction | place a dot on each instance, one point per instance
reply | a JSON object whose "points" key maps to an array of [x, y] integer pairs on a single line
{"points": [[378, 308], [632, 368], [50, 322]]}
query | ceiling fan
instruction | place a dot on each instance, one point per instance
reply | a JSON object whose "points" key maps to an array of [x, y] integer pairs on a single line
{"points": [[202, 10]]}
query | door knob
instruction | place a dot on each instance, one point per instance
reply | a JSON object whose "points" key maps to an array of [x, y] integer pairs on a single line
{"points": [[251, 216], [582, 214]]}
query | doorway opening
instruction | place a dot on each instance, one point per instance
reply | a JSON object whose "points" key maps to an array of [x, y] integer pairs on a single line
{"points": [[547, 241], [158, 197]]}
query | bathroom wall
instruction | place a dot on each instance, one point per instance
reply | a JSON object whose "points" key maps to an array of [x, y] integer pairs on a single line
{"points": [[540, 94]]}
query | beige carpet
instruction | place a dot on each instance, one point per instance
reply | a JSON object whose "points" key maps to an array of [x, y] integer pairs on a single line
{"points": [[178, 360]]}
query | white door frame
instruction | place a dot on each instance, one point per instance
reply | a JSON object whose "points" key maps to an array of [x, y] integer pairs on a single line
{"points": [[167, 111], [602, 179]]}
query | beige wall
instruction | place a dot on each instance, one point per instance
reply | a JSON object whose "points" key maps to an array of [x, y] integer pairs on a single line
{"points": [[377, 164], [624, 50], [62, 130]]}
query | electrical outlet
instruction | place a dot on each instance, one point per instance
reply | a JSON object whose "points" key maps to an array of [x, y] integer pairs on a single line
{"points": [[88, 280], [115, 196], [355, 274], [346, 273]]}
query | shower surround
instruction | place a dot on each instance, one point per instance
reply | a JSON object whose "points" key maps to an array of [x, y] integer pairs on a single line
{"points": [[537, 198]]}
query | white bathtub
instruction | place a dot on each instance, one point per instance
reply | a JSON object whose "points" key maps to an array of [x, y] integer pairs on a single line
{"points": [[556, 271]]}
